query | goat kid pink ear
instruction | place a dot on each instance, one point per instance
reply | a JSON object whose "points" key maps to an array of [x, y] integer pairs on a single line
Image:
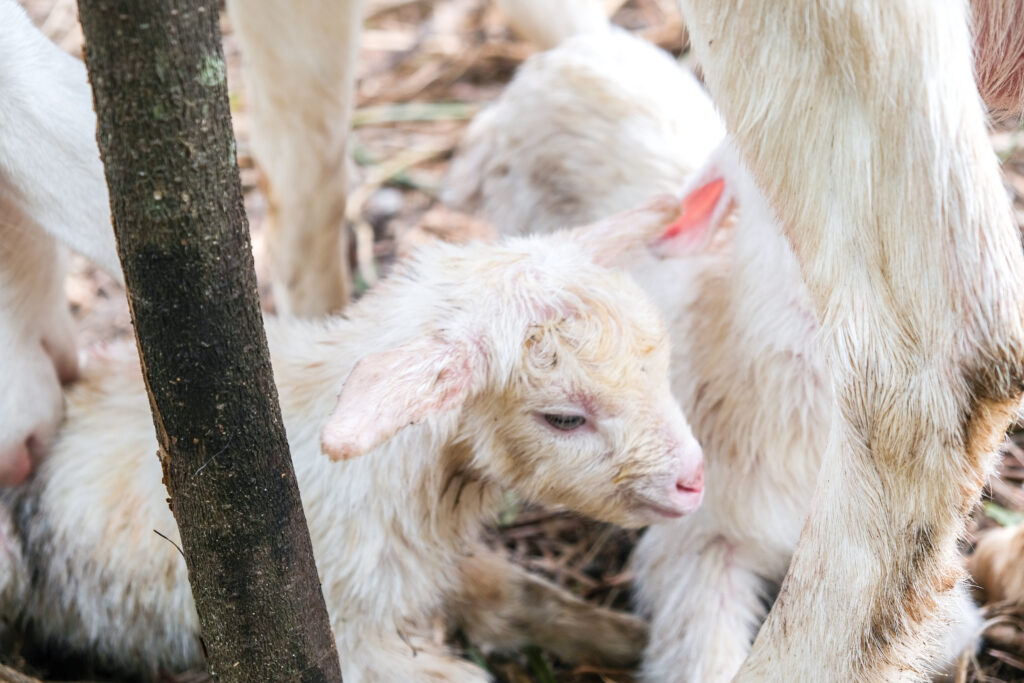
{"points": [[702, 211], [391, 390], [698, 206]]}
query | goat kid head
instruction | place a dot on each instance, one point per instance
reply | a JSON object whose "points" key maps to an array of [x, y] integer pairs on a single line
{"points": [[557, 366]]}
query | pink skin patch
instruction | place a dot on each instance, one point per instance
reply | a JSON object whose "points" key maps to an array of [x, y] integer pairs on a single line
{"points": [[15, 466], [697, 208]]}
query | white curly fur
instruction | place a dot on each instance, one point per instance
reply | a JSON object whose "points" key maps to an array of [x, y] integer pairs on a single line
{"points": [[460, 354]]}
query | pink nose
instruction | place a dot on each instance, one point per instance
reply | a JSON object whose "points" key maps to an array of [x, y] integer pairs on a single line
{"points": [[692, 481]]}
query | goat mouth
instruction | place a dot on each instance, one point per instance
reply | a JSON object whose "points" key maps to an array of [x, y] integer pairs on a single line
{"points": [[675, 503], [670, 507], [664, 511]]}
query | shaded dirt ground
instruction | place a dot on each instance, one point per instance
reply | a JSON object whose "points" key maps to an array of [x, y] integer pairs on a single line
{"points": [[425, 68]]}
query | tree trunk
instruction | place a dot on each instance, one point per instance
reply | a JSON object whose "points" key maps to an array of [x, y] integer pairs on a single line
{"points": [[158, 78]]}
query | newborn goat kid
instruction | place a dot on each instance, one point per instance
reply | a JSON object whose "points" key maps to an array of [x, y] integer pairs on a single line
{"points": [[524, 366]]}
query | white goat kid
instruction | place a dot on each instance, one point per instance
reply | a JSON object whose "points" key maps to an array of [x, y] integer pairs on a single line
{"points": [[749, 371], [583, 131], [746, 366], [524, 366]]}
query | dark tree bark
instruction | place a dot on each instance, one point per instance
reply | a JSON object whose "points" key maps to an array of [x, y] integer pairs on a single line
{"points": [[158, 78]]}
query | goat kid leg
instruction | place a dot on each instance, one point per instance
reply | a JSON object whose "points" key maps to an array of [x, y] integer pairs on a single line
{"points": [[298, 62], [501, 606], [862, 124], [706, 603]]}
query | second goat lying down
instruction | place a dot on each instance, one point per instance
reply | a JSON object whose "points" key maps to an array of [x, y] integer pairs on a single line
{"points": [[473, 369]]}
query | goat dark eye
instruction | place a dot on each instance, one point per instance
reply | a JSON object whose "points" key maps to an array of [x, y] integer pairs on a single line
{"points": [[566, 423]]}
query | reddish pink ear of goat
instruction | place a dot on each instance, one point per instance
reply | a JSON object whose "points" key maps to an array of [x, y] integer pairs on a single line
{"points": [[707, 200], [390, 390]]}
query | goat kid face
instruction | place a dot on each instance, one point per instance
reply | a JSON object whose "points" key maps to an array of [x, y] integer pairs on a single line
{"points": [[558, 366], [587, 419]]}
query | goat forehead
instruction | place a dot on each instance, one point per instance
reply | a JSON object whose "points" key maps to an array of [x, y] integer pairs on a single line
{"points": [[626, 338]]}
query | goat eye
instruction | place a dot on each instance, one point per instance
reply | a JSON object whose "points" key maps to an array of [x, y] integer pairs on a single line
{"points": [[566, 423]]}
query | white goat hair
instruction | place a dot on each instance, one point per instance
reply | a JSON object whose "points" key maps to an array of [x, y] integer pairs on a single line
{"points": [[461, 355], [861, 123], [629, 121], [746, 363], [51, 186]]}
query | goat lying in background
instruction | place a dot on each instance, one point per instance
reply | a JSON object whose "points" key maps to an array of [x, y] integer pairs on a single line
{"points": [[563, 139], [583, 131], [523, 366]]}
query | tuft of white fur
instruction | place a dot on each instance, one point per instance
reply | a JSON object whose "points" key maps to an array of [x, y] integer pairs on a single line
{"points": [[533, 326]]}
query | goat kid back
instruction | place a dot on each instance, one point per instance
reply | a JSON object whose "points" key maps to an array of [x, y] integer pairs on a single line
{"points": [[470, 370]]}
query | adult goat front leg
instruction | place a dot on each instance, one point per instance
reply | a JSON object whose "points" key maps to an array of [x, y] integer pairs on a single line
{"points": [[299, 62], [862, 123]]}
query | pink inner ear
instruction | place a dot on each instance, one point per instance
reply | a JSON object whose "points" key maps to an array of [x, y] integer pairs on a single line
{"points": [[697, 209]]}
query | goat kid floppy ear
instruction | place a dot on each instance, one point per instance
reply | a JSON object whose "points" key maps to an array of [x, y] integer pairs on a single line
{"points": [[664, 226], [391, 390], [623, 238]]}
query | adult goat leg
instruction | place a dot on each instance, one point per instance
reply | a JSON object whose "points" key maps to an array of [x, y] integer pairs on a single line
{"points": [[862, 123], [299, 65]]}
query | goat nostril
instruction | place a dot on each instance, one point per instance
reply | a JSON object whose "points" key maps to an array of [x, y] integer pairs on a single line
{"points": [[692, 482]]}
